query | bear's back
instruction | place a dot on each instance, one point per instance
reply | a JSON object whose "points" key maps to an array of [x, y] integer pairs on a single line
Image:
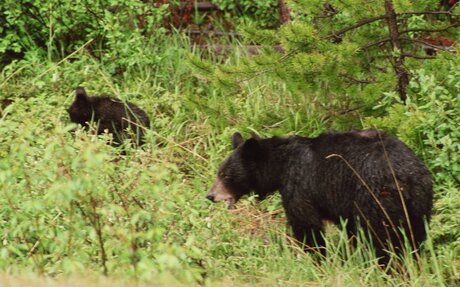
{"points": [[114, 110], [349, 164], [356, 143]]}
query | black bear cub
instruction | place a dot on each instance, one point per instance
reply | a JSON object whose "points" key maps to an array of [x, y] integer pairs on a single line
{"points": [[367, 178], [5, 103], [123, 119]]}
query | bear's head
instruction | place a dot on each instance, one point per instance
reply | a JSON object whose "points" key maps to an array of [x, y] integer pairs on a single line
{"points": [[81, 109], [239, 174]]}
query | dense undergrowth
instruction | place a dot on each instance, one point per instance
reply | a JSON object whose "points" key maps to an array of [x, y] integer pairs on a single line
{"points": [[70, 204]]}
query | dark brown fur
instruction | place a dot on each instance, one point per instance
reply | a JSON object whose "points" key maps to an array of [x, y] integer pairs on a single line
{"points": [[123, 119], [5, 103]]}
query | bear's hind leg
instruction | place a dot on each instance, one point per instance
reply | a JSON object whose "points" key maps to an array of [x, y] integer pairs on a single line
{"points": [[311, 238]]}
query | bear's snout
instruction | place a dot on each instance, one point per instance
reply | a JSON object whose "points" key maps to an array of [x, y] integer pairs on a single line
{"points": [[219, 192], [210, 196]]}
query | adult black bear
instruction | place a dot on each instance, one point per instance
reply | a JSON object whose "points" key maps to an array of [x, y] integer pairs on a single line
{"points": [[123, 119], [367, 177]]}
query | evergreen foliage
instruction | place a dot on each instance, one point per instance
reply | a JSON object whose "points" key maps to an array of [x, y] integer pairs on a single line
{"points": [[342, 56]]}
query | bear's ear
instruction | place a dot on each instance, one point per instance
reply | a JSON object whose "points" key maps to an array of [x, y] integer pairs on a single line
{"points": [[252, 149], [81, 94], [237, 139]]}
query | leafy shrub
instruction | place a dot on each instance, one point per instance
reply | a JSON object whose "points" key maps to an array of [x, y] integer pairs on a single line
{"points": [[56, 28], [429, 122]]}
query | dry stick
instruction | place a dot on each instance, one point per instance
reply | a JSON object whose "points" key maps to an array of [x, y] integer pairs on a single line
{"points": [[370, 191], [369, 225], [125, 205], [124, 201], [71, 228], [96, 225], [138, 202], [299, 245], [32, 249], [98, 229], [375, 233], [34, 259], [391, 246]]}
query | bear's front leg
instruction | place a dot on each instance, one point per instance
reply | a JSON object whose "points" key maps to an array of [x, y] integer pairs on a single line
{"points": [[307, 226]]}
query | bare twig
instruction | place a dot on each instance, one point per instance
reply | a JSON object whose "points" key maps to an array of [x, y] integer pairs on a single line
{"points": [[138, 202], [98, 228], [368, 224]]}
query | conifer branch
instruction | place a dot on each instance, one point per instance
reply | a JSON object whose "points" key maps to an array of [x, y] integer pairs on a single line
{"points": [[429, 13], [354, 26], [377, 18], [357, 81], [376, 43], [444, 48], [457, 24], [410, 55]]}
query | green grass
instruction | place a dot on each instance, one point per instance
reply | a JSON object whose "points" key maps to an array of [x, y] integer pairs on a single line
{"points": [[70, 205]]}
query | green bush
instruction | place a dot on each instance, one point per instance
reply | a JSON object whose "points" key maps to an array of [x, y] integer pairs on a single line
{"points": [[55, 28], [429, 122]]}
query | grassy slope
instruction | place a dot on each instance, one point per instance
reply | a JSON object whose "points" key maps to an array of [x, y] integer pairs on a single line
{"points": [[66, 200]]}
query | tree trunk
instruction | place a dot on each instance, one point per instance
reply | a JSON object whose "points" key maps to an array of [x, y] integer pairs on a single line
{"points": [[285, 13], [400, 70]]}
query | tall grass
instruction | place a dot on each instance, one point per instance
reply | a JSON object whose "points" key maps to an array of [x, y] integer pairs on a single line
{"points": [[70, 204]]}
